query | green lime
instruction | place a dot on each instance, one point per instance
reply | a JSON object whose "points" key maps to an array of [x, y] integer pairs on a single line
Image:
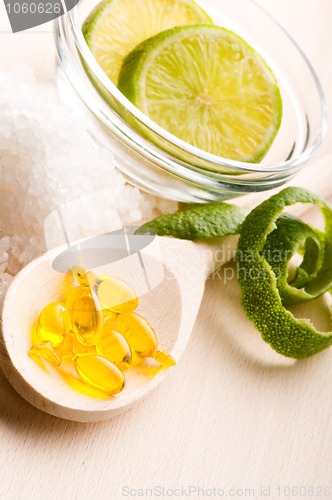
{"points": [[115, 27], [208, 87]]}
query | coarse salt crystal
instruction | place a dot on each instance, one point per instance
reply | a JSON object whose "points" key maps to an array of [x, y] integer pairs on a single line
{"points": [[49, 159]]}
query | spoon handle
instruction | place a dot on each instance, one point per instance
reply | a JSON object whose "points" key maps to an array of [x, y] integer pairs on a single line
{"points": [[195, 261]]}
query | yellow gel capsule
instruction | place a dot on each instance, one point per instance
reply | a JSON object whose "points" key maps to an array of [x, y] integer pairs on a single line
{"points": [[115, 294], [51, 327], [71, 347], [163, 358], [82, 277], [114, 347], [110, 317], [86, 317], [138, 333], [64, 350], [74, 295], [45, 351], [100, 373]]}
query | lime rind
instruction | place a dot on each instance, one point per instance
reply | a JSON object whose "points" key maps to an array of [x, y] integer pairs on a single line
{"points": [[290, 237], [90, 22], [261, 299], [268, 240], [212, 220]]}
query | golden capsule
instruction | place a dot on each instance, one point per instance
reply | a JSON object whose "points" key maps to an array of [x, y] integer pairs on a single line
{"points": [[115, 294], [50, 326], [64, 350], [110, 317], [87, 321], [100, 373], [98, 340], [81, 276], [114, 347], [71, 347], [86, 317], [74, 295], [141, 337], [138, 333], [163, 358], [45, 351]]}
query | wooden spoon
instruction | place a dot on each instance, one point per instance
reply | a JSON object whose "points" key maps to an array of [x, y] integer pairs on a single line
{"points": [[169, 275]]}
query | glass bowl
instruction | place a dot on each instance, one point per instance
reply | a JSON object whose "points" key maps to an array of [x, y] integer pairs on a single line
{"points": [[174, 169]]}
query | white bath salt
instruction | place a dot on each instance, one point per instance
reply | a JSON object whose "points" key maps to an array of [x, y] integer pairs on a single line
{"points": [[48, 159]]}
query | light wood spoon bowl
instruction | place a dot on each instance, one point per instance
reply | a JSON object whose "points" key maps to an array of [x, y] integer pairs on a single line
{"points": [[171, 286]]}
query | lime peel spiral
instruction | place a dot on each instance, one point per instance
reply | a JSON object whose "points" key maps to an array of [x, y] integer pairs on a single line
{"points": [[269, 238]]}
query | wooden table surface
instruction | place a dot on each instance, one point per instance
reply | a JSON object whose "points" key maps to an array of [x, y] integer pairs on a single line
{"points": [[233, 419]]}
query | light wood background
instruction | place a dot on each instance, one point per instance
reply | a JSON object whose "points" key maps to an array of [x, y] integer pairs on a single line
{"points": [[232, 415]]}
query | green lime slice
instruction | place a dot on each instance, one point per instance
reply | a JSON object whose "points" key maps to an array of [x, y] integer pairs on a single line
{"points": [[208, 87], [115, 27]]}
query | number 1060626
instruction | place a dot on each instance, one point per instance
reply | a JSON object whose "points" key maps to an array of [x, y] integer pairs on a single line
{"points": [[304, 491], [34, 8]]}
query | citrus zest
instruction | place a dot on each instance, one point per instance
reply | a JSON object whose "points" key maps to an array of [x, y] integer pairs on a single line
{"points": [[261, 299], [200, 222]]}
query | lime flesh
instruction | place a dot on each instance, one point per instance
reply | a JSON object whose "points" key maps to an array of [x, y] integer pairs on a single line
{"points": [[208, 87], [115, 27]]}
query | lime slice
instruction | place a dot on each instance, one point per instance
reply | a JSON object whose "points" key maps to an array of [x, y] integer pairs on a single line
{"points": [[208, 87], [116, 27]]}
